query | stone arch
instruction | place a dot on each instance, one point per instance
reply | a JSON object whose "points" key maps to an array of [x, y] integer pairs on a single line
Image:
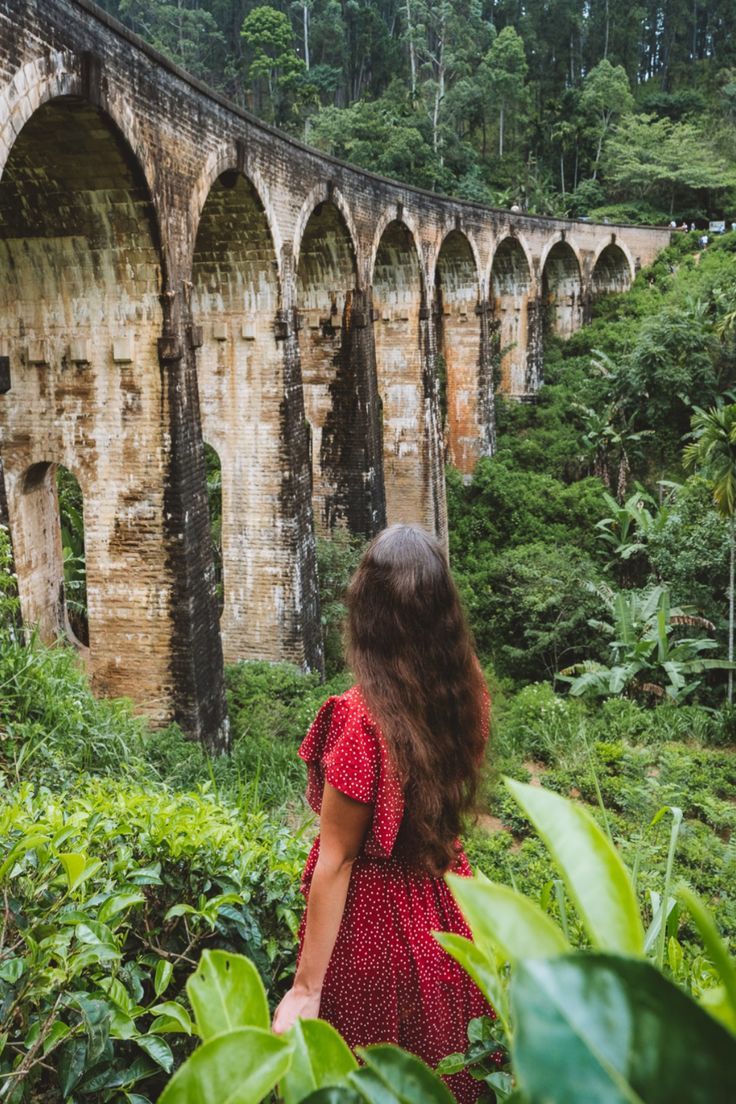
{"points": [[80, 318], [510, 292], [411, 459], [459, 348], [561, 282], [223, 161], [613, 269], [320, 195], [472, 247], [235, 299], [338, 375], [396, 215]]}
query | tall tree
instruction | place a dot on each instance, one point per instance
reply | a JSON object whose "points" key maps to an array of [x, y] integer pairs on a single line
{"points": [[714, 450], [274, 61], [647, 156], [605, 97], [505, 69]]}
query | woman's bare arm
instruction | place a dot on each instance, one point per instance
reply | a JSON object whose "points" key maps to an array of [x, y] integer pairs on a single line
{"points": [[344, 824]]}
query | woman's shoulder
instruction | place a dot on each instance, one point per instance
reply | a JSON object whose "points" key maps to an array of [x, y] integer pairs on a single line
{"points": [[341, 715]]}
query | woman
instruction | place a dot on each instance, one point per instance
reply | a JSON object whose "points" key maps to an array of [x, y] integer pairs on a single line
{"points": [[393, 765]]}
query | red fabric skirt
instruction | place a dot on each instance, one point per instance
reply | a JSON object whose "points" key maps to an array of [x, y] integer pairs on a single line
{"points": [[388, 980]]}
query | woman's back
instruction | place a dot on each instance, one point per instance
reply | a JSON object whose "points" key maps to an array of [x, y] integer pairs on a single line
{"points": [[388, 979], [392, 768]]}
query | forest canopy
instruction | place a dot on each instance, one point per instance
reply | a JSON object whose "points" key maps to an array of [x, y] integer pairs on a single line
{"points": [[598, 108]]}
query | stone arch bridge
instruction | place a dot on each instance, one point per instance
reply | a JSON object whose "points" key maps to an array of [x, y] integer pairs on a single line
{"points": [[173, 273]]}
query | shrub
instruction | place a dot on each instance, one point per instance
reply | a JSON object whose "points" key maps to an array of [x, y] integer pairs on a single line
{"points": [[529, 609], [111, 890]]}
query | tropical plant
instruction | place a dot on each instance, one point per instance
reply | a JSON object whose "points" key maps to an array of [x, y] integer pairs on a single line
{"points": [[714, 449], [553, 1005], [71, 519], [646, 658], [607, 439], [629, 526]]}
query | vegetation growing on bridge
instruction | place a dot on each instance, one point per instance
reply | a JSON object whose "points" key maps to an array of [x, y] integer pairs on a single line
{"points": [[586, 108]]}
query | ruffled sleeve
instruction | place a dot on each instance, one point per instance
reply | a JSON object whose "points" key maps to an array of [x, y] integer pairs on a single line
{"points": [[345, 748]]}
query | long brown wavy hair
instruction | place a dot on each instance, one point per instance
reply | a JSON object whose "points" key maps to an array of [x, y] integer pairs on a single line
{"points": [[412, 654]]}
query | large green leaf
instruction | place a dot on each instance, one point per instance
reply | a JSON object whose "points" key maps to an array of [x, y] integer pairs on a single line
{"points": [[335, 1094], [718, 952], [499, 917], [391, 1076], [596, 878], [226, 992], [238, 1067], [320, 1058], [613, 1030], [475, 963]]}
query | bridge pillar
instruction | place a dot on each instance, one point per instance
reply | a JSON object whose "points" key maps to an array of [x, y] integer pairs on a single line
{"points": [[512, 314], [413, 460], [197, 659], [338, 363], [463, 343], [99, 383], [253, 417]]}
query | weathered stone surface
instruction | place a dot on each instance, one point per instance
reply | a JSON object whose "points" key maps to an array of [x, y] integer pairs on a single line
{"points": [[174, 272]]}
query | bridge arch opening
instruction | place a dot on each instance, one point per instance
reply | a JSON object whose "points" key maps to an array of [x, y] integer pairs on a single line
{"points": [[458, 338], [80, 316], [561, 290], [399, 306], [49, 511], [611, 271], [339, 378], [213, 468], [236, 298], [510, 290]]}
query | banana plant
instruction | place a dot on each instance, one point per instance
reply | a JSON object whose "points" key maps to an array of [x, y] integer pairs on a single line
{"points": [[646, 658], [629, 526]]}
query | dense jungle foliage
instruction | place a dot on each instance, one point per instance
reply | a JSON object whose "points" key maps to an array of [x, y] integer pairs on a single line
{"points": [[593, 554], [611, 108]]}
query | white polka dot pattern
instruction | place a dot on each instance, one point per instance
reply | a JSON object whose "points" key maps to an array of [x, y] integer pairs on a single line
{"points": [[388, 979]]}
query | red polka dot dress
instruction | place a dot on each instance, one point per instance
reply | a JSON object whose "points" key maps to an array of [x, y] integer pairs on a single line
{"points": [[388, 980]]}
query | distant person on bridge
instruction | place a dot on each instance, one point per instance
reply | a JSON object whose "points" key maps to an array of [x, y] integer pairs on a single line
{"points": [[393, 766]]}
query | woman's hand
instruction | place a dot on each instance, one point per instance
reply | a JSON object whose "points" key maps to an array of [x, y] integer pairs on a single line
{"points": [[297, 1004]]}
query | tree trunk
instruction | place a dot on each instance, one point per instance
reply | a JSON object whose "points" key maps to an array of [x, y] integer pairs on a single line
{"points": [[731, 605], [500, 131], [562, 171], [412, 53], [598, 154], [305, 11]]}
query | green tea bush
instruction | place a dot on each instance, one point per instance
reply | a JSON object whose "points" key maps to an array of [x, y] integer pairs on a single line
{"points": [[539, 724], [110, 892], [271, 706], [50, 722]]}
